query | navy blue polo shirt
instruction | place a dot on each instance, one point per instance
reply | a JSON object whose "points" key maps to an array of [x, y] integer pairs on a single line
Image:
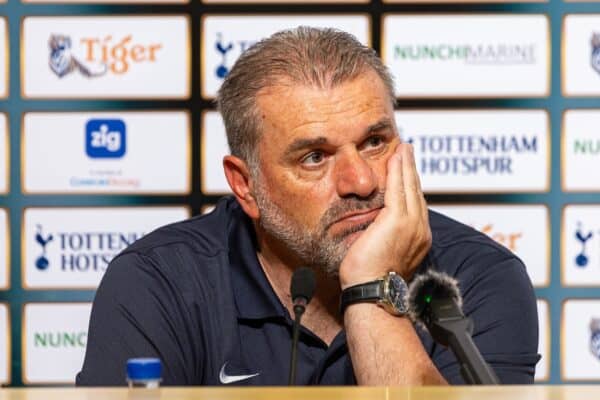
{"points": [[194, 295]]}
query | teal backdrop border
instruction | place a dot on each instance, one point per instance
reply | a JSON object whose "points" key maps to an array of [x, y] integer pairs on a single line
{"points": [[14, 106]]}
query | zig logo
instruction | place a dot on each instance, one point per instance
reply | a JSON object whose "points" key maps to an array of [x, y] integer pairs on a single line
{"points": [[105, 138]]}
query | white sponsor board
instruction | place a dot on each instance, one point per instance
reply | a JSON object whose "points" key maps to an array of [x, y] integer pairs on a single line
{"points": [[214, 148], [468, 55], [54, 340], [542, 369], [4, 250], [581, 55], [479, 151], [461, 1], [4, 153], [3, 58], [581, 245], [106, 57], [5, 349], [225, 38], [109, 1], [580, 340], [70, 248], [108, 152], [580, 150], [522, 228], [282, 1]]}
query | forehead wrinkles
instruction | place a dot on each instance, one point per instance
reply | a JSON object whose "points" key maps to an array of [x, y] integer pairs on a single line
{"points": [[267, 110], [295, 106]]}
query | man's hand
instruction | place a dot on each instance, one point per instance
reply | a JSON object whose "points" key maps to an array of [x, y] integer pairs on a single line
{"points": [[400, 236], [397, 240]]}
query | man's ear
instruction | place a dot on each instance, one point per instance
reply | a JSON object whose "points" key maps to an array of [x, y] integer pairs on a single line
{"points": [[240, 181]]}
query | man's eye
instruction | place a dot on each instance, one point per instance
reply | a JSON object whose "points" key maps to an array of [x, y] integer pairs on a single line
{"points": [[315, 157], [374, 141]]}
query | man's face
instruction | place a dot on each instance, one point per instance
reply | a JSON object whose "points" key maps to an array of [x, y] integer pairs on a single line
{"points": [[322, 165]]}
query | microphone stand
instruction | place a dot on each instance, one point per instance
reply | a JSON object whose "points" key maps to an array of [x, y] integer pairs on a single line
{"points": [[451, 328], [299, 307]]}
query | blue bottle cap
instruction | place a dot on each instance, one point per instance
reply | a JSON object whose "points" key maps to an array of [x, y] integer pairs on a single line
{"points": [[143, 368]]}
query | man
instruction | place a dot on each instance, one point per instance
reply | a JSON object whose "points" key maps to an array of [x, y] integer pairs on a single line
{"points": [[320, 178]]}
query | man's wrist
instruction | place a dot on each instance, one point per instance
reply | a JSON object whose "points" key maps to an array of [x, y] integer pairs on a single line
{"points": [[388, 292], [348, 280], [359, 280], [369, 311]]}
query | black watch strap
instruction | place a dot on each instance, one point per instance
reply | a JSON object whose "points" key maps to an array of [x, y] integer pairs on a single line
{"points": [[369, 292]]}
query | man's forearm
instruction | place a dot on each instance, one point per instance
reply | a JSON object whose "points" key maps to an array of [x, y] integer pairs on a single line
{"points": [[386, 350]]}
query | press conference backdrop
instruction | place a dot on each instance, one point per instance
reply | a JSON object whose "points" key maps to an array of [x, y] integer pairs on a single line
{"points": [[108, 130]]}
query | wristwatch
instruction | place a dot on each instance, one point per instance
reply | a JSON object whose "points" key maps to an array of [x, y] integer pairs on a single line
{"points": [[388, 292]]}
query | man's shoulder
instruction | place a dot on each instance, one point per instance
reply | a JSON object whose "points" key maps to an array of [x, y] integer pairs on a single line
{"points": [[457, 246], [204, 235], [196, 248], [497, 295]]}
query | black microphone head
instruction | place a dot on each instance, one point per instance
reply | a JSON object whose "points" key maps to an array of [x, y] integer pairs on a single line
{"points": [[303, 284], [428, 286]]}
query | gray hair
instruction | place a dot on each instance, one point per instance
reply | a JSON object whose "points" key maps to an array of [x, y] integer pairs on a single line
{"points": [[322, 58]]}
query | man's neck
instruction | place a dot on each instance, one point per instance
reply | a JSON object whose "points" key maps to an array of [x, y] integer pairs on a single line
{"points": [[322, 314]]}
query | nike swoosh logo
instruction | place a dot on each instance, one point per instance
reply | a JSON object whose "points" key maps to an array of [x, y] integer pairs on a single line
{"points": [[226, 379]]}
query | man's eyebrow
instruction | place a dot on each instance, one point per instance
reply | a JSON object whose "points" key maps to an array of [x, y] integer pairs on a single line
{"points": [[383, 124], [304, 143], [300, 144]]}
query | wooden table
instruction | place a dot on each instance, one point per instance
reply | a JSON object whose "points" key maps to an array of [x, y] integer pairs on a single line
{"points": [[311, 393]]}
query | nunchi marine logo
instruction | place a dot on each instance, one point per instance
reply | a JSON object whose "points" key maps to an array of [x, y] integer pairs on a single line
{"points": [[581, 260], [60, 339], [595, 58], [42, 262]]}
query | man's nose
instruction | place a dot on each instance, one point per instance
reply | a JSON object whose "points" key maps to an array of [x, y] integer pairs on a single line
{"points": [[354, 175]]}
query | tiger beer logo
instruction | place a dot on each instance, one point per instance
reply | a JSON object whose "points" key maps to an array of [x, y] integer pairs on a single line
{"points": [[97, 56], [509, 239]]}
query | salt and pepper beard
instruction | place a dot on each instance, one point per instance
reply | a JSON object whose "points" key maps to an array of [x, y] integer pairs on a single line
{"points": [[315, 247]]}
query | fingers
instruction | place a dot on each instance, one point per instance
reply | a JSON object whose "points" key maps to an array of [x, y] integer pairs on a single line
{"points": [[412, 183], [412, 186], [395, 199], [403, 185]]}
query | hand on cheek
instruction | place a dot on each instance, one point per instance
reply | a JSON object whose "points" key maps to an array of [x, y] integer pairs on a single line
{"points": [[400, 236]]}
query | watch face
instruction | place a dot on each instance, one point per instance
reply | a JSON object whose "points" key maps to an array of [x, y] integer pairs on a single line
{"points": [[397, 293]]}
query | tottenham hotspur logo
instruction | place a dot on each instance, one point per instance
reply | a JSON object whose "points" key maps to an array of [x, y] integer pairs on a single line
{"points": [[595, 59], [63, 61], [42, 261]]}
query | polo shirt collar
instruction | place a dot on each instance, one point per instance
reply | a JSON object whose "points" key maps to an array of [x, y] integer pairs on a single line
{"points": [[253, 294]]}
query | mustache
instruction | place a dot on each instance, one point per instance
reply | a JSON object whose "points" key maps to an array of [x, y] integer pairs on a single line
{"points": [[351, 204]]}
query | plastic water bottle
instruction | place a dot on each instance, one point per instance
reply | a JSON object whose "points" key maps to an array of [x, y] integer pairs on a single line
{"points": [[144, 373]]}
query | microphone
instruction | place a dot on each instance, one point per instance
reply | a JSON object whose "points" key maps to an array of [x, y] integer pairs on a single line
{"points": [[302, 290], [434, 301]]}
